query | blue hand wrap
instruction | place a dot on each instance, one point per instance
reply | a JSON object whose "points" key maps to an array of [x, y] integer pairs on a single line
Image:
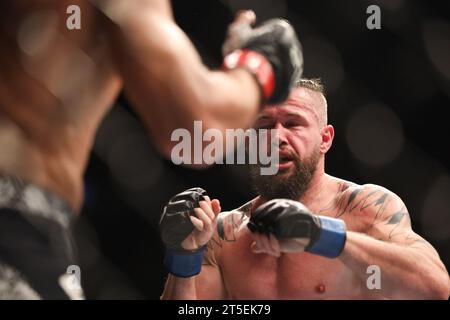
{"points": [[332, 238], [184, 265]]}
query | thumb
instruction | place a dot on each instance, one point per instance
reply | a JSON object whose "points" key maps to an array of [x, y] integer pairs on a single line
{"points": [[244, 17], [238, 31], [241, 24], [215, 204]]}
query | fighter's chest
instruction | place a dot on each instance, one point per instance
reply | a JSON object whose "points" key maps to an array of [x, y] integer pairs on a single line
{"points": [[292, 276]]}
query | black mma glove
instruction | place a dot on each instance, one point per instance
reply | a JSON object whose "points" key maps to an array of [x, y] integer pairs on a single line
{"points": [[175, 226], [289, 219], [271, 52]]}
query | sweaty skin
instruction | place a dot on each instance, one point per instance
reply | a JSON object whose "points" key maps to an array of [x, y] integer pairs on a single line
{"points": [[379, 233], [56, 85]]}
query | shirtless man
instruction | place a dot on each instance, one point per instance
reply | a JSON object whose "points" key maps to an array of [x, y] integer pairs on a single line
{"points": [[57, 84], [316, 243]]}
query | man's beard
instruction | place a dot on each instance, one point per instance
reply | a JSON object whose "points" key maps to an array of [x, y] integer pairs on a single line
{"points": [[286, 185]]}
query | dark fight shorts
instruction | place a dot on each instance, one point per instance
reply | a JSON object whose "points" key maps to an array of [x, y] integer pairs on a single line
{"points": [[36, 247]]}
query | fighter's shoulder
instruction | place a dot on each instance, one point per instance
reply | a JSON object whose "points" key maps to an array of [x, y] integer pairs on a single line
{"points": [[352, 197], [353, 190], [371, 200]]}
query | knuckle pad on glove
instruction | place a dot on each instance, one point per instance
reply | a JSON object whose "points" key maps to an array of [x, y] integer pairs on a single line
{"points": [[277, 41], [284, 219], [175, 224]]}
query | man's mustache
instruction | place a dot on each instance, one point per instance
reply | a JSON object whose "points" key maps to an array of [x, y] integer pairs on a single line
{"points": [[287, 153]]}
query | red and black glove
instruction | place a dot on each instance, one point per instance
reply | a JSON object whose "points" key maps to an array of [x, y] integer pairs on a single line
{"points": [[271, 52]]}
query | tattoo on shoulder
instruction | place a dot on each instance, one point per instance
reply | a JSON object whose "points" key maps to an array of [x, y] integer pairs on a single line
{"points": [[357, 200], [398, 216], [398, 234], [386, 216], [394, 220]]}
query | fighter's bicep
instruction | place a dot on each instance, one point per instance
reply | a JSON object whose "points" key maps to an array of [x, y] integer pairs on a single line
{"points": [[209, 284], [161, 71], [391, 222], [151, 49]]}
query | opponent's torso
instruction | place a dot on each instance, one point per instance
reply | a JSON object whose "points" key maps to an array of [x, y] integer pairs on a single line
{"points": [[293, 275], [56, 85]]}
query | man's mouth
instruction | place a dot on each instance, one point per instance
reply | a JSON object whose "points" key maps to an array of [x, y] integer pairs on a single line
{"points": [[286, 160], [285, 157]]}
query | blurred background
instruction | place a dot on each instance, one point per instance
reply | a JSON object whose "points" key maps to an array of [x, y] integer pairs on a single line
{"points": [[388, 91]]}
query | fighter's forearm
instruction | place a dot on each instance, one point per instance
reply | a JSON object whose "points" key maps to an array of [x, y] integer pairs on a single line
{"points": [[406, 273], [122, 12], [170, 87], [179, 289]]}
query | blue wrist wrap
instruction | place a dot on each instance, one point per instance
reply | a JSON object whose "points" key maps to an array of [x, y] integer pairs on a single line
{"points": [[332, 238], [184, 264]]}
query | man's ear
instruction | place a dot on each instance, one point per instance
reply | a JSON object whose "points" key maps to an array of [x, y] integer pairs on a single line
{"points": [[327, 134]]}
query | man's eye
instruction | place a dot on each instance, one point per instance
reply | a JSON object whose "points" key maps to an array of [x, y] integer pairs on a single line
{"points": [[290, 124], [264, 126]]}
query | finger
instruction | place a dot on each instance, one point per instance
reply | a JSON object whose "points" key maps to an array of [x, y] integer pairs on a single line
{"points": [[238, 31], [265, 244], [198, 224], [208, 200], [204, 217], [215, 204], [260, 246], [274, 245], [245, 17], [254, 247], [241, 24], [206, 207]]}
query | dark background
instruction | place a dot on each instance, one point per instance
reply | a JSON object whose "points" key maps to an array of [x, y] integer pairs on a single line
{"points": [[387, 90]]}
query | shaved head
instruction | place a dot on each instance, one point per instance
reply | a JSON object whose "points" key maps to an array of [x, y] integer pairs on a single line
{"points": [[308, 95], [316, 88]]}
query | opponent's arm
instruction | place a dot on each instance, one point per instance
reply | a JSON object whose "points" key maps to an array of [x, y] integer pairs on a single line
{"points": [[167, 82]]}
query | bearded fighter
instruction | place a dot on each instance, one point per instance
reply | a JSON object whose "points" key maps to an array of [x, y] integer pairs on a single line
{"points": [[308, 235]]}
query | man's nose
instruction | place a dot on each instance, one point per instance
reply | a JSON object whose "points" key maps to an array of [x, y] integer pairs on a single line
{"points": [[282, 133]]}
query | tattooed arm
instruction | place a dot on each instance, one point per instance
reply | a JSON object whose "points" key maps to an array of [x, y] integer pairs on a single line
{"points": [[410, 267]]}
